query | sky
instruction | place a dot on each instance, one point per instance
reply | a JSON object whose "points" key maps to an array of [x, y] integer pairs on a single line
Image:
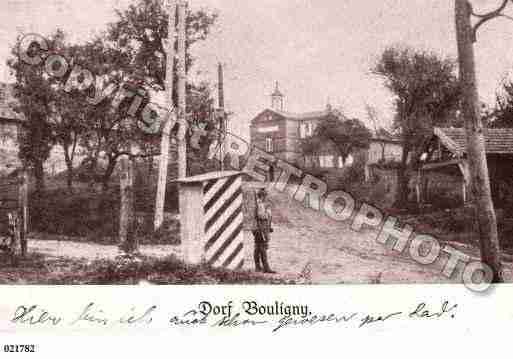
{"points": [[318, 50]]}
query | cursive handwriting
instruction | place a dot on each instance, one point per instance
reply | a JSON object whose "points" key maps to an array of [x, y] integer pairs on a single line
{"points": [[91, 315], [237, 321], [311, 320], [33, 315], [132, 318], [191, 318], [369, 319], [422, 312]]}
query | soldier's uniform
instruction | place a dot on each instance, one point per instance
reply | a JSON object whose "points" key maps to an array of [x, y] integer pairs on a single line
{"points": [[257, 219]]}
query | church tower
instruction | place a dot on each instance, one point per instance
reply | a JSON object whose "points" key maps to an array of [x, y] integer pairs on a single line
{"points": [[277, 99]]}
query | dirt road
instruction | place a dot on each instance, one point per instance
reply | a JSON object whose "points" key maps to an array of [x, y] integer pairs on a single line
{"points": [[305, 244], [309, 241]]}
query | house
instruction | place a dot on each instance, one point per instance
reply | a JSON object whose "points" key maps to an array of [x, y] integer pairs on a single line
{"points": [[281, 133], [444, 172], [383, 149]]}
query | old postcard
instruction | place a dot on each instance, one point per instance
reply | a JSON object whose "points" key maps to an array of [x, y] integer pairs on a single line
{"points": [[285, 172]]}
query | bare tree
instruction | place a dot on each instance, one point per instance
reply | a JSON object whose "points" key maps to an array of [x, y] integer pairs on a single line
{"points": [[372, 115], [476, 151]]}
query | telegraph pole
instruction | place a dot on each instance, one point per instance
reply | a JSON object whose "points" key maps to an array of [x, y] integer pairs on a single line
{"points": [[222, 120], [476, 151], [182, 83], [166, 131]]}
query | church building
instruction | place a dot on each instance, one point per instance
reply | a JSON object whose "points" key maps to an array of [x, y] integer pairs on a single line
{"points": [[280, 132]]}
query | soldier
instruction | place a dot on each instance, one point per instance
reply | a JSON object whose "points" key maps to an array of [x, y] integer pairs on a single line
{"points": [[262, 233]]}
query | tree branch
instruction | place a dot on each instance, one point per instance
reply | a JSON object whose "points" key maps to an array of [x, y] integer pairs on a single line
{"points": [[484, 18]]}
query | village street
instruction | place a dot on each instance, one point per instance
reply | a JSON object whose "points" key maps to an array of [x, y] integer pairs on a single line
{"points": [[306, 246]]}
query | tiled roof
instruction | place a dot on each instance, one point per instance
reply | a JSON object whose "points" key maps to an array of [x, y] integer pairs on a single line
{"points": [[498, 140], [6, 98]]}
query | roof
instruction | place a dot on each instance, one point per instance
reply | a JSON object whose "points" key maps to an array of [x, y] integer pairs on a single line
{"points": [[6, 98], [316, 115], [389, 139], [498, 140], [305, 116], [208, 177]]}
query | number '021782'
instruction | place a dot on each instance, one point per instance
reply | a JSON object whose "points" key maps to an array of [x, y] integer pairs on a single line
{"points": [[9, 348]]}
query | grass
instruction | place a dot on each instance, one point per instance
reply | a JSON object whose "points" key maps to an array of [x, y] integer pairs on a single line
{"points": [[38, 269]]}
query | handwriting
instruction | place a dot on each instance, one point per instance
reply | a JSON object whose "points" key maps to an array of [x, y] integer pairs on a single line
{"points": [[33, 315], [422, 312], [145, 318], [312, 319], [189, 319], [235, 321], [91, 315], [371, 320]]}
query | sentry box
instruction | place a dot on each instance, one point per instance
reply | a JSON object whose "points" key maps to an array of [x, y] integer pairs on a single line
{"points": [[211, 219]]}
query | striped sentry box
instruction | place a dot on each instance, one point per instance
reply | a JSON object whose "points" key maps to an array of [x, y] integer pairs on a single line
{"points": [[223, 222]]}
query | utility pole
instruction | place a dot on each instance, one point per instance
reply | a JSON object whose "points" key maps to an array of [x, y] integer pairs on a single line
{"points": [[166, 131], [476, 151], [182, 83], [222, 115]]}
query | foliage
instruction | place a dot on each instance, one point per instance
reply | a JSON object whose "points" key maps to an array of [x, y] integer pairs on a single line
{"points": [[426, 90], [39, 269], [141, 31], [502, 116], [427, 94], [346, 135], [35, 94]]}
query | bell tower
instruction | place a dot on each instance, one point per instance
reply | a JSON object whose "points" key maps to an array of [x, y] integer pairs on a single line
{"points": [[277, 99]]}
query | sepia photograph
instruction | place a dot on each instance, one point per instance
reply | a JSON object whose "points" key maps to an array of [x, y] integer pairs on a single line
{"points": [[298, 142]]}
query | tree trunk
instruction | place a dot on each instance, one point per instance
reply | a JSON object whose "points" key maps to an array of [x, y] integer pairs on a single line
{"points": [[111, 166], [127, 238], [69, 166], [476, 152], [39, 175], [403, 180]]}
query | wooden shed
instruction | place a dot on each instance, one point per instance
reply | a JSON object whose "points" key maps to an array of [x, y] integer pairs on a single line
{"points": [[445, 172]]}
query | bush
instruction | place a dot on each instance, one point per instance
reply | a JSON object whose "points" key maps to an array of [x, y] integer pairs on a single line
{"points": [[95, 214]]}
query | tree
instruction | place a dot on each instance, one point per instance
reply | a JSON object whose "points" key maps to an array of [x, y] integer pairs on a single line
{"points": [[141, 31], [427, 94], [346, 135], [379, 130], [502, 115], [476, 151], [35, 93]]}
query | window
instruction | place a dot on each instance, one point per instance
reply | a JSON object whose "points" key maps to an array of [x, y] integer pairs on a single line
{"points": [[302, 130], [349, 160], [326, 161], [269, 145], [310, 129], [306, 129], [340, 162]]}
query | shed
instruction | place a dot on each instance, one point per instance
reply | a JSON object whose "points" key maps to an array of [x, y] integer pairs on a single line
{"points": [[445, 167]]}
